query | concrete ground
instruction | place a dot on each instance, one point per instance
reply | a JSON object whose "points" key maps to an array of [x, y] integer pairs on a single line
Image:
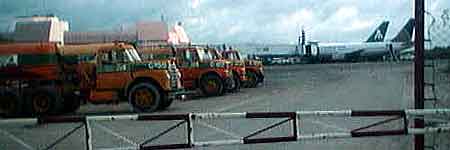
{"points": [[360, 86]]}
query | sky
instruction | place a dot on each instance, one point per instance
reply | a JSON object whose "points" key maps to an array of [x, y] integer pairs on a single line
{"points": [[231, 21]]}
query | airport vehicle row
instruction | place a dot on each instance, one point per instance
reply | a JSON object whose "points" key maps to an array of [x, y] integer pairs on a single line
{"points": [[51, 79]]}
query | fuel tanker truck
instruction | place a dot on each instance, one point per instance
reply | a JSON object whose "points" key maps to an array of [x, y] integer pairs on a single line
{"points": [[48, 79]]}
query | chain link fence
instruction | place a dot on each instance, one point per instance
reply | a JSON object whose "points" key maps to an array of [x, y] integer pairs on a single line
{"points": [[437, 71]]}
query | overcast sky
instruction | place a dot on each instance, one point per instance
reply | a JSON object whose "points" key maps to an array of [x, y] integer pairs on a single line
{"points": [[230, 21]]}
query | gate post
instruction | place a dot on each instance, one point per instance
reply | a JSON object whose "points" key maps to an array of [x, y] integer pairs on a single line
{"points": [[419, 93]]}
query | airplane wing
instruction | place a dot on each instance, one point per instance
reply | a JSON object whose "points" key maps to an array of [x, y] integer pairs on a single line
{"points": [[351, 51]]}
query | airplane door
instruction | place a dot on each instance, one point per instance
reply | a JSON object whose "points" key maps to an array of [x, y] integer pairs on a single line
{"points": [[308, 51]]}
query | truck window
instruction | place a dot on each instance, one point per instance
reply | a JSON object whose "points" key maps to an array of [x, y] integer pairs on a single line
{"points": [[238, 56], [203, 55], [111, 57], [134, 54], [191, 56], [233, 56], [106, 58]]}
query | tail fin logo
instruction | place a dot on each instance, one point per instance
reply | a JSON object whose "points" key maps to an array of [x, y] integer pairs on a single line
{"points": [[378, 35]]}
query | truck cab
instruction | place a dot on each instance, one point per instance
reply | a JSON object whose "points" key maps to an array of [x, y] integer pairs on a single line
{"points": [[198, 69], [237, 67], [254, 72], [113, 72]]}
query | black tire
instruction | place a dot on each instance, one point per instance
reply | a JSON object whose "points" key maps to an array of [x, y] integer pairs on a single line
{"points": [[10, 104], [166, 103], [260, 78], [211, 85], [252, 79], [71, 103], [43, 102], [237, 83], [142, 93]]}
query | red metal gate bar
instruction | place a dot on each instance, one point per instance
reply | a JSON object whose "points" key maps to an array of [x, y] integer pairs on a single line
{"points": [[370, 113], [293, 116], [397, 115], [162, 133], [166, 117], [247, 139], [88, 134], [270, 115], [195, 116], [187, 118], [57, 141]]}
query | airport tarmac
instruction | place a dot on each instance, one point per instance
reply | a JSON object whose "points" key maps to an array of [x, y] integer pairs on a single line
{"points": [[358, 86]]}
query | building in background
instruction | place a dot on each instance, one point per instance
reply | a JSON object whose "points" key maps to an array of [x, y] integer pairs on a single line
{"points": [[144, 34], [97, 37], [152, 33], [52, 29], [40, 29]]}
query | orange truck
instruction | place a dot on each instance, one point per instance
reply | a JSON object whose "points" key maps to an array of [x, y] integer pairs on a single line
{"points": [[45, 78], [198, 69], [254, 71], [33, 81], [237, 67]]}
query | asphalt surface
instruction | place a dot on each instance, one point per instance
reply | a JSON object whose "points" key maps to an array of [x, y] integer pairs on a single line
{"points": [[361, 86]]}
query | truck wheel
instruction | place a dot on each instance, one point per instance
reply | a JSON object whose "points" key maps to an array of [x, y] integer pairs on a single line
{"points": [[43, 102], [71, 103], [165, 103], [211, 85], [9, 104], [237, 83], [252, 79], [144, 97]]}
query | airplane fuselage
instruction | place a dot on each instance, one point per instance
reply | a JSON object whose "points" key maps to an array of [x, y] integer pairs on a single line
{"points": [[345, 51]]}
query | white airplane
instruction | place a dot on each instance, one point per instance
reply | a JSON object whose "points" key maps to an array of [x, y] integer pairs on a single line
{"points": [[375, 48]]}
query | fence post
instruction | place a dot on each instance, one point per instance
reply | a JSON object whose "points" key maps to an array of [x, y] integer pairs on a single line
{"points": [[419, 93], [88, 134]]}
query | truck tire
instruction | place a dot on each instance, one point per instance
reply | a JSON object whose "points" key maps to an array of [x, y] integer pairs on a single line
{"points": [[237, 83], [43, 102], [10, 105], [144, 97], [166, 103], [252, 79], [211, 85], [71, 103]]}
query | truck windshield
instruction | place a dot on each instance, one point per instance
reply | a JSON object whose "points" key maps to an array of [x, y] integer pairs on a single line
{"points": [[213, 54], [204, 55], [133, 54], [234, 56]]}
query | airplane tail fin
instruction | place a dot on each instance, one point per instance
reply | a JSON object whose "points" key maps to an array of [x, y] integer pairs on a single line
{"points": [[379, 34], [405, 34]]}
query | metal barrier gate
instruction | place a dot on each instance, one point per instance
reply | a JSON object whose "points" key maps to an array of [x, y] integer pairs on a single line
{"points": [[292, 118]]}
